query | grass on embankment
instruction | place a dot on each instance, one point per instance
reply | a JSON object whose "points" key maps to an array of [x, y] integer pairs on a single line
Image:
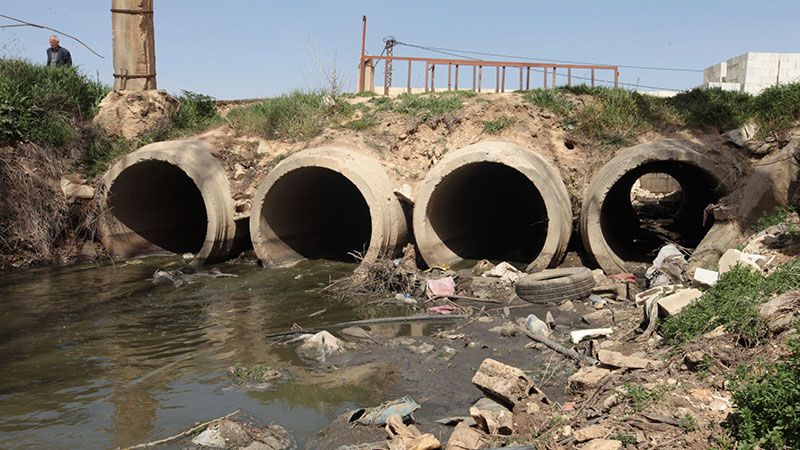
{"points": [[45, 105], [732, 302], [618, 116], [297, 116]]}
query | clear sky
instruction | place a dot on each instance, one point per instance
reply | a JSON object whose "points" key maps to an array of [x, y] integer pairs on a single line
{"points": [[244, 49]]}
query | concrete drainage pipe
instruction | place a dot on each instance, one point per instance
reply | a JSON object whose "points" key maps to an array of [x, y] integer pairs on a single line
{"points": [[493, 200], [326, 202], [169, 196], [617, 235]]}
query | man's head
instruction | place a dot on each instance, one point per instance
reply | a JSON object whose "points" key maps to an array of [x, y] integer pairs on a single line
{"points": [[54, 41]]}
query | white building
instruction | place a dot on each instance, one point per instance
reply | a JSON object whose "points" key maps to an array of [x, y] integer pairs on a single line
{"points": [[753, 72]]}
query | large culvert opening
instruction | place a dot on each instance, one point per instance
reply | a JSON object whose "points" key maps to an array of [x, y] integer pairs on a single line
{"points": [[488, 210], [318, 213], [656, 204], [161, 204]]}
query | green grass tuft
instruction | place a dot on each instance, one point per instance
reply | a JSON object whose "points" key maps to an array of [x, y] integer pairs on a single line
{"points": [[498, 125], [362, 124], [297, 116], [768, 405], [732, 302], [550, 99], [777, 216], [639, 397], [428, 107]]}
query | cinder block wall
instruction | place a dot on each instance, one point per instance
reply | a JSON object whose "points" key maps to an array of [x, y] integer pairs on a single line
{"points": [[755, 71]]}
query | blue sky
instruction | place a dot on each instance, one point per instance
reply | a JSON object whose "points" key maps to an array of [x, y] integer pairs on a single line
{"points": [[244, 49]]}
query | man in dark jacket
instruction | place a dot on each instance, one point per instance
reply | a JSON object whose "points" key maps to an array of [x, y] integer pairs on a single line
{"points": [[58, 56]]}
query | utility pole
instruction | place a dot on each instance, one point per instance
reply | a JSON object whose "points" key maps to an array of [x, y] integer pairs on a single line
{"points": [[134, 45], [390, 42]]}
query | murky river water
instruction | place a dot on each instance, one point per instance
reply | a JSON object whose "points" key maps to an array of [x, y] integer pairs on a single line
{"points": [[99, 357]]}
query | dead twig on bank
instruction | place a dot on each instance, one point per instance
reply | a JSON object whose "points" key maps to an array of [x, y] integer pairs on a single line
{"points": [[563, 350], [182, 433]]}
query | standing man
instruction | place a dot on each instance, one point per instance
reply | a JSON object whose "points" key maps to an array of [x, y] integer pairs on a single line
{"points": [[58, 56]]}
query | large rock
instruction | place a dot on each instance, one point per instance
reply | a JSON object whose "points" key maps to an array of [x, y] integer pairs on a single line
{"points": [[466, 438], [587, 378], [503, 382], [603, 444], [131, 114], [617, 359]]}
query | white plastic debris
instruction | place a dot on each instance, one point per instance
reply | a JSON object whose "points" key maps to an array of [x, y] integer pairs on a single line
{"points": [[505, 272], [579, 335], [536, 326]]}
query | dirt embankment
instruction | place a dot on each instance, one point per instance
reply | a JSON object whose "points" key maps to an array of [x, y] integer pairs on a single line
{"points": [[408, 138], [409, 144]]}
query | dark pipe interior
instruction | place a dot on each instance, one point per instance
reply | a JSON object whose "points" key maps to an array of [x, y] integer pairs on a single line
{"points": [[318, 213], [161, 204], [629, 231], [489, 211]]}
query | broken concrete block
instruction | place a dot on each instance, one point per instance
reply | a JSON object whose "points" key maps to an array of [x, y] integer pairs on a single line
{"points": [[617, 359], [579, 335], [591, 432], [603, 444], [506, 383], [673, 304], [732, 257], [705, 277], [466, 438], [587, 378], [492, 417], [599, 318]]}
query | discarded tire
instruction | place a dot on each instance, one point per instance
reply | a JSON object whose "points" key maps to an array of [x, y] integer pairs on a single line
{"points": [[555, 285]]}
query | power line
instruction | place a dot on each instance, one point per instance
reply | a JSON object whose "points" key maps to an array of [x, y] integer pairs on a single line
{"points": [[34, 25], [500, 55]]}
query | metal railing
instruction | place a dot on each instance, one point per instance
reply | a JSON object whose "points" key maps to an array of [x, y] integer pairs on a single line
{"points": [[454, 66]]}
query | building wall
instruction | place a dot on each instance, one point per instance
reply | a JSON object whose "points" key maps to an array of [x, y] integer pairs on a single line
{"points": [[753, 71]]}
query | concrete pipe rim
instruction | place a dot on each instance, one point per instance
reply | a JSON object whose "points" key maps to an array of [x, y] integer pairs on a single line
{"points": [[541, 176], [195, 160], [387, 227], [649, 157]]}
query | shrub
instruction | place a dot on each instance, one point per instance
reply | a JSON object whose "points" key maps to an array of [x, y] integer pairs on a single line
{"points": [[723, 110], [197, 113], [777, 108], [44, 104], [768, 405]]}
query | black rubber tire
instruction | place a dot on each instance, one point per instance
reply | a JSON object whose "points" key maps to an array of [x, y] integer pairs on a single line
{"points": [[555, 285]]}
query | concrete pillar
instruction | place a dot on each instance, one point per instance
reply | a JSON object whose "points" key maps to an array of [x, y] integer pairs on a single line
{"points": [[369, 75], [134, 45]]}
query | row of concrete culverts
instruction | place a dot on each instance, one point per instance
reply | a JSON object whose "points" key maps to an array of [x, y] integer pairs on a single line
{"points": [[490, 200]]}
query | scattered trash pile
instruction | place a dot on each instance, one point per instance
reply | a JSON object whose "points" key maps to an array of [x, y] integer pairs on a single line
{"points": [[625, 386]]}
